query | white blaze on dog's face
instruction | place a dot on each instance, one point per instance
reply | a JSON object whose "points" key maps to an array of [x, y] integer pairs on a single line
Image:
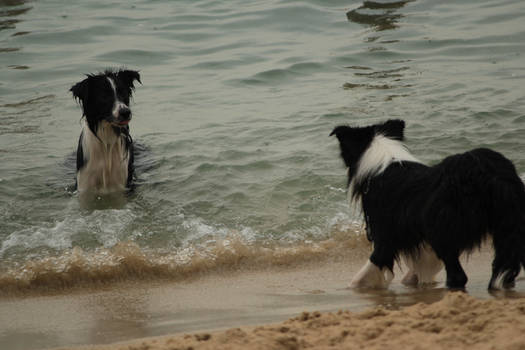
{"points": [[120, 112], [104, 159], [106, 97]]}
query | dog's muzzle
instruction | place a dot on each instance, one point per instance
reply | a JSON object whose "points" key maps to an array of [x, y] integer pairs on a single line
{"points": [[124, 116]]}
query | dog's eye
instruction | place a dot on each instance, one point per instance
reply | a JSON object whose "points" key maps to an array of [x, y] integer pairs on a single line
{"points": [[105, 99], [122, 92], [123, 96]]}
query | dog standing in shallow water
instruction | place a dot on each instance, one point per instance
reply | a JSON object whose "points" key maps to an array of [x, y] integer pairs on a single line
{"points": [[105, 147], [421, 212]]}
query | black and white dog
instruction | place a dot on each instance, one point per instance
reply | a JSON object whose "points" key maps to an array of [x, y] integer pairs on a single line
{"points": [[105, 147], [415, 211]]}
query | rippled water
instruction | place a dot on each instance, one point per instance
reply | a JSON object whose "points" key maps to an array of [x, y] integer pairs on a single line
{"points": [[237, 102]]}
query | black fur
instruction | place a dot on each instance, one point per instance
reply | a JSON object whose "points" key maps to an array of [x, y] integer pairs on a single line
{"points": [[96, 96], [97, 99], [453, 206]]}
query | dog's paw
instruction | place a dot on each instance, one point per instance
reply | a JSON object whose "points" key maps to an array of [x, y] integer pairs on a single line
{"points": [[410, 279], [371, 276]]}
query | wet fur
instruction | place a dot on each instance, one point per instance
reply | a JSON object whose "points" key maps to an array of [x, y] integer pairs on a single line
{"points": [[105, 148], [414, 211]]}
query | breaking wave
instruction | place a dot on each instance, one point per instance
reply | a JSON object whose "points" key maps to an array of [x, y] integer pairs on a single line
{"points": [[127, 261]]}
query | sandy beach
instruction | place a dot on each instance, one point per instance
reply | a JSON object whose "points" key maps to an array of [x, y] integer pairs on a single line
{"points": [[301, 306], [237, 230], [458, 321]]}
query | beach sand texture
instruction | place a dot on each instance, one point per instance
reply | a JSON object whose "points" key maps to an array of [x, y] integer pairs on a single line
{"points": [[458, 321], [240, 217], [226, 311]]}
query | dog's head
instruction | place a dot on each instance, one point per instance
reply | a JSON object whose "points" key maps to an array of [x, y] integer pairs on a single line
{"points": [[354, 141], [105, 97]]}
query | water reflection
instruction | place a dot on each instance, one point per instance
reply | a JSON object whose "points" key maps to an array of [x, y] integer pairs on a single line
{"points": [[10, 9], [397, 298], [25, 117], [117, 316], [92, 201], [381, 15]]}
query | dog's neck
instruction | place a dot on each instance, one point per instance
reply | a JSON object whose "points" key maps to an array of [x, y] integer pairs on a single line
{"points": [[381, 152], [106, 134], [105, 159]]}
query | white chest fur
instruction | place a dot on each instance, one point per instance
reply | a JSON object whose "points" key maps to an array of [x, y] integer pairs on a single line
{"points": [[106, 160]]}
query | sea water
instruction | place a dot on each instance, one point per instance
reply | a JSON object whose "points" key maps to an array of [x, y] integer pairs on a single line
{"points": [[236, 168]]}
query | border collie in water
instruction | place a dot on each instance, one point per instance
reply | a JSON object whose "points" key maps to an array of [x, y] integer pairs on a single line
{"points": [[105, 147], [419, 212]]}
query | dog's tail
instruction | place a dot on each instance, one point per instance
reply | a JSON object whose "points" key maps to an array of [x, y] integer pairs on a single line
{"points": [[508, 239], [506, 193]]}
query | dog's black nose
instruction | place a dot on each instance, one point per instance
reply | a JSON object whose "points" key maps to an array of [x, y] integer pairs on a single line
{"points": [[124, 113]]}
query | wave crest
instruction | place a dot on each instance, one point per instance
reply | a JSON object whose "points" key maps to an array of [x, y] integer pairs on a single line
{"points": [[126, 261]]}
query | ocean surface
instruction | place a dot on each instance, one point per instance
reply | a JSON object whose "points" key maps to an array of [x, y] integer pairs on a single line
{"points": [[236, 169]]}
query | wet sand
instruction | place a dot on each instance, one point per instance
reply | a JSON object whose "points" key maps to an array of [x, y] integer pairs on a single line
{"points": [[130, 311], [458, 321]]}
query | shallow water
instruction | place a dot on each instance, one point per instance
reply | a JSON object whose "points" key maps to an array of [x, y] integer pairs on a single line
{"points": [[136, 310], [237, 102]]}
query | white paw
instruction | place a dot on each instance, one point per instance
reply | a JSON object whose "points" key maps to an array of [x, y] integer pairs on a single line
{"points": [[370, 276]]}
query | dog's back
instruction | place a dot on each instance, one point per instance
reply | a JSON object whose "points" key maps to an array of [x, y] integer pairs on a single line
{"points": [[479, 193], [450, 207]]}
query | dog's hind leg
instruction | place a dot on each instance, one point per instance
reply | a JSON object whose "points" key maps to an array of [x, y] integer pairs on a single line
{"points": [[506, 223], [456, 276], [422, 267], [508, 240], [507, 261], [509, 273]]}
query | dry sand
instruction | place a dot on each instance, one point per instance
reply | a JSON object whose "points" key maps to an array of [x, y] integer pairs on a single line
{"points": [[458, 321]]}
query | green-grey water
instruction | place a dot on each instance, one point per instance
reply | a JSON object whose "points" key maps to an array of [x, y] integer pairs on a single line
{"points": [[237, 102]]}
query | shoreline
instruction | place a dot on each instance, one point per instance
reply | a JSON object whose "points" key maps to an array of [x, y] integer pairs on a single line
{"points": [[223, 300], [458, 321], [126, 262]]}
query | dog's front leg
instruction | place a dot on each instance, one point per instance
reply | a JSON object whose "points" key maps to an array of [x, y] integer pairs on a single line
{"points": [[371, 276]]}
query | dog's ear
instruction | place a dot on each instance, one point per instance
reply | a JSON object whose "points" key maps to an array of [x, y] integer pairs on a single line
{"points": [[340, 131], [353, 142], [393, 128], [80, 91], [347, 134], [128, 77]]}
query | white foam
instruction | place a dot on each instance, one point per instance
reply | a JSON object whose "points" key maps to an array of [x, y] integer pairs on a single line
{"points": [[342, 221], [199, 231], [104, 226]]}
